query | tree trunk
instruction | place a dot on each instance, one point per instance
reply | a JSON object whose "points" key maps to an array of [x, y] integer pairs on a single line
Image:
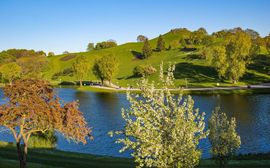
{"points": [[102, 82], [25, 155], [21, 155], [80, 83]]}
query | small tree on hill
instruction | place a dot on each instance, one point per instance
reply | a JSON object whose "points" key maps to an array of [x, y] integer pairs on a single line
{"points": [[51, 54], [223, 137], [160, 44], [81, 68], [162, 130], [90, 46], [33, 107], [105, 68], [141, 38], [10, 71], [146, 50]]}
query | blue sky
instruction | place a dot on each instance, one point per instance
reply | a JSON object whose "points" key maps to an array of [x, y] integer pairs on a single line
{"points": [[59, 25]]}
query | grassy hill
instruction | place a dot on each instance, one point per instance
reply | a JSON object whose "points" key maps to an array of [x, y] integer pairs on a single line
{"points": [[189, 67]]}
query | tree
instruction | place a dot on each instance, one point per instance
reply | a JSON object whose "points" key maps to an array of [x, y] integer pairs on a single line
{"points": [[146, 50], [238, 49], [10, 71], [33, 107], [160, 44], [90, 46], [65, 52], [105, 68], [219, 60], [223, 137], [162, 130], [252, 33], [51, 54], [81, 68], [141, 38], [232, 59], [106, 44]]}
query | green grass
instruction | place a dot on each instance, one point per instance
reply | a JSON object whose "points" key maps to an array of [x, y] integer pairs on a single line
{"points": [[189, 67], [50, 158]]}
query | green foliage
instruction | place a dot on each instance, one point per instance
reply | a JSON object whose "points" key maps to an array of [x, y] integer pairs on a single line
{"points": [[51, 54], [141, 38], [143, 70], [6, 58], [238, 50], [174, 44], [218, 59], [18, 53], [146, 50], [106, 67], [160, 44], [90, 47], [33, 67], [10, 71], [105, 44], [232, 59], [223, 137], [81, 68], [161, 129], [43, 140], [267, 43]]}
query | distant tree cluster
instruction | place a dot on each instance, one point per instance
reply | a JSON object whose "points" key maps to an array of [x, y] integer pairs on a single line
{"points": [[22, 63], [105, 44]]}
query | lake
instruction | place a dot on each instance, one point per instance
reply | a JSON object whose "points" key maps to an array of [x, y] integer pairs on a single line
{"points": [[103, 113]]}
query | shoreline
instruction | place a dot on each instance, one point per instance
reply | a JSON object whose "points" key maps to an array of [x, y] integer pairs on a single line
{"points": [[262, 88]]}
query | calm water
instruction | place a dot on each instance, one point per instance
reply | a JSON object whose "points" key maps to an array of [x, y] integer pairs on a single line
{"points": [[103, 113]]}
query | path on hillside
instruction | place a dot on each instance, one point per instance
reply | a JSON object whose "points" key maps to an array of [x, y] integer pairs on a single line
{"points": [[259, 86]]}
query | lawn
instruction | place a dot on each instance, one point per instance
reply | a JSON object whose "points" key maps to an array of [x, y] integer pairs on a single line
{"points": [[50, 158]]}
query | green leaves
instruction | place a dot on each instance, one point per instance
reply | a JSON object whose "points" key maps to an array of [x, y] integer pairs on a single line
{"points": [[106, 67]]}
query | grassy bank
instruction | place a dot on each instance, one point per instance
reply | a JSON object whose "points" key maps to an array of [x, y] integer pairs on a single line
{"points": [[50, 158], [201, 92]]}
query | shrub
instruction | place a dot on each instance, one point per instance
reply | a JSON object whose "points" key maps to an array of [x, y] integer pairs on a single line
{"points": [[144, 70], [105, 44]]}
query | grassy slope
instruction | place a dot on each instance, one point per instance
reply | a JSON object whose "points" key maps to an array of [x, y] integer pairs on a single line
{"points": [[41, 158], [196, 71]]}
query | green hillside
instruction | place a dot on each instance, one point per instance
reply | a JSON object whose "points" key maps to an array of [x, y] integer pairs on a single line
{"points": [[191, 69]]}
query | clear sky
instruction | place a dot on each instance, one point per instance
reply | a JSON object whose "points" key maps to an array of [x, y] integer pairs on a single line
{"points": [[59, 25]]}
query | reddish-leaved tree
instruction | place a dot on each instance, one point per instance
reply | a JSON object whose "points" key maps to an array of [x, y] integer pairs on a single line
{"points": [[33, 107]]}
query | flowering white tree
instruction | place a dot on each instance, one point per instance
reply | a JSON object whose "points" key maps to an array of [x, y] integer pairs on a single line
{"points": [[223, 137], [162, 129]]}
